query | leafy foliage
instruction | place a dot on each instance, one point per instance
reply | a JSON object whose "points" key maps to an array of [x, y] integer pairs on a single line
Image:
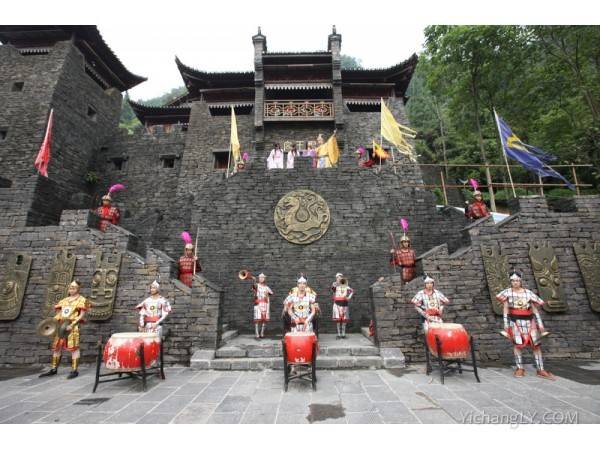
{"points": [[350, 62], [128, 119], [543, 80]]}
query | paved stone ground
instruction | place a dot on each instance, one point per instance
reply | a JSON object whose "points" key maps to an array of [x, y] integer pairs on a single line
{"points": [[342, 396]]}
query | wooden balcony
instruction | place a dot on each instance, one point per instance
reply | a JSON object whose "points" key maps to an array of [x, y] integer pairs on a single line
{"points": [[299, 110]]}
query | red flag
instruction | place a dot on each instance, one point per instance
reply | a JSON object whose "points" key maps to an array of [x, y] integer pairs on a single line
{"points": [[43, 156]]}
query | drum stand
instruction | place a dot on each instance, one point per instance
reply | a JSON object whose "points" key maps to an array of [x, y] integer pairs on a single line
{"points": [[307, 371], [449, 365], [141, 374]]}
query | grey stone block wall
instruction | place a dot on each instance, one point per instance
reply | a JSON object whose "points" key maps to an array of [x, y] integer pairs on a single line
{"points": [[54, 80], [461, 277], [195, 320]]}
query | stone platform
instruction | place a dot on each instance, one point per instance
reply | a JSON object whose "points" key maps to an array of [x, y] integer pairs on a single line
{"points": [[394, 396], [244, 352]]}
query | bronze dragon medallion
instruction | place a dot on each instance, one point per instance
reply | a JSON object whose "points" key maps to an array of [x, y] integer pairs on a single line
{"points": [[302, 216]]}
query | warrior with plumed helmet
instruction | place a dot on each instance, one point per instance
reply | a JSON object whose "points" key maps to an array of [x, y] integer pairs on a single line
{"points": [[188, 262], [107, 212]]}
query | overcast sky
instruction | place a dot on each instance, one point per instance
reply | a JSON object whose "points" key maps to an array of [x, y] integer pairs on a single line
{"points": [[218, 48], [215, 35]]}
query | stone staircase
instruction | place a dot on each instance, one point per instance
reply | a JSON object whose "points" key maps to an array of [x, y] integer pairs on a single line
{"points": [[244, 352]]}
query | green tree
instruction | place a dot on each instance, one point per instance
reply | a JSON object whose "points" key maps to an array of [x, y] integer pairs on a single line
{"points": [[350, 62]]}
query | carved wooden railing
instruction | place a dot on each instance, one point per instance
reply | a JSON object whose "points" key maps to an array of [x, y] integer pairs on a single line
{"points": [[298, 110]]}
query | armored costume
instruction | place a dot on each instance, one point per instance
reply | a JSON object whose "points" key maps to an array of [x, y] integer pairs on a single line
{"points": [[70, 312], [523, 324], [261, 305], [153, 311], [406, 258], [477, 209], [108, 213], [300, 306], [187, 261], [342, 293], [429, 303]]}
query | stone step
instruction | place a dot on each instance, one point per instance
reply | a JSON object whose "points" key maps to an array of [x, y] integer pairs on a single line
{"points": [[225, 327], [323, 362], [365, 332], [228, 335], [246, 346]]}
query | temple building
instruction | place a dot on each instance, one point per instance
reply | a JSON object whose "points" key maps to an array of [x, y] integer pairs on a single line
{"points": [[282, 222]]}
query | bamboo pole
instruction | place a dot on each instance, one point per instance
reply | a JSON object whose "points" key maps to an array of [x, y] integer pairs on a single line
{"points": [[541, 185], [575, 179], [490, 187], [444, 187]]}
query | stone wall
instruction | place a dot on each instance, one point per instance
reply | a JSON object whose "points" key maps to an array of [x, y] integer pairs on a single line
{"points": [[461, 277], [193, 324], [237, 231], [55, 80], [150, 186]]}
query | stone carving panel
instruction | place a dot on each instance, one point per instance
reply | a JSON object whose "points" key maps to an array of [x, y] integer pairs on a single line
{"points": [[104, 285], [12, 288], [545, 270], [61, 274], [588, 258], [496, 273], [302, 216]]}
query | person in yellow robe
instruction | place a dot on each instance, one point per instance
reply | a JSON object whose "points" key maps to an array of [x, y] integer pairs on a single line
{"points": [[70, 310], [328, 152]]}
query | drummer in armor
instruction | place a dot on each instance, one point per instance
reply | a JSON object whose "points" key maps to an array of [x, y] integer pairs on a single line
{"points": [[523, 324], [342, 293], [261, 305], [429, 303], [300, 305], [70, 309], [153, 311]]}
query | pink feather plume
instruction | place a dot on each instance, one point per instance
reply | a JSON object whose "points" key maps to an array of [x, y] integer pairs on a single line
{"points": [[116, 188], [361, 151], [245, 156], [404, 224], [186, 237], [474, 183]]}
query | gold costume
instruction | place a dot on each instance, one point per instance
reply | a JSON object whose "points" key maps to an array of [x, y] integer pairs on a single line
{"points": [[69, 309]]}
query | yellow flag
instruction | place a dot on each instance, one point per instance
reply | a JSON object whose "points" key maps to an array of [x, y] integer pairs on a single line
{"points": [[331, 150], [234, 141], [380, 152], [395, 133]]}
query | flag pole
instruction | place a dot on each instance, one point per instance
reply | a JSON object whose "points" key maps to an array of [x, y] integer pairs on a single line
{"points": [[504, 153]]}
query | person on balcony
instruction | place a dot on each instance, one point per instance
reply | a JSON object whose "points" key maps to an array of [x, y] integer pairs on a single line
{"points": [[328, 152], [291, 156], [275, 159]]}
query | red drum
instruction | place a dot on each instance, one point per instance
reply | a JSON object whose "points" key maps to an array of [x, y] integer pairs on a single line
{"points": [[121, 352], [299, 346], [454, 340]]}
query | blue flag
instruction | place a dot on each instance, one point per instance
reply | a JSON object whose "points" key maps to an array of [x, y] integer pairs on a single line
{"points": [[531, 158]]}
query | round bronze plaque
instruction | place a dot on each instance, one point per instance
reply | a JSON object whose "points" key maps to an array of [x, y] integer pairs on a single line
{"points": [[302, 216]]}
